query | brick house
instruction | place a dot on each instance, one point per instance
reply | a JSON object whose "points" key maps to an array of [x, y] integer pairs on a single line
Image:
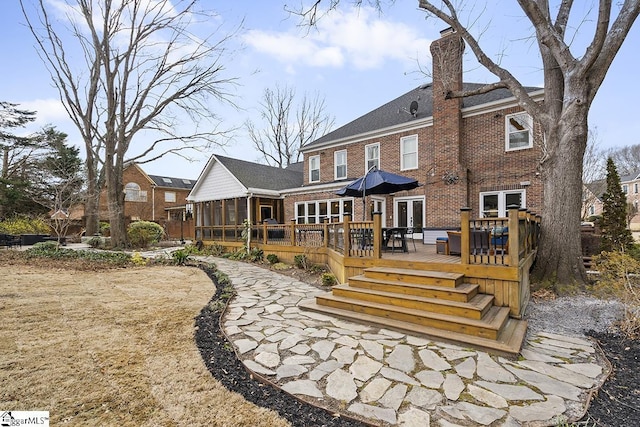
{"points": [[592, 203], [150, 197], [480, 152]]}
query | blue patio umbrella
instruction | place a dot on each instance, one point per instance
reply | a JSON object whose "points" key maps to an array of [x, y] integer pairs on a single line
{"points": [[377, 181]]}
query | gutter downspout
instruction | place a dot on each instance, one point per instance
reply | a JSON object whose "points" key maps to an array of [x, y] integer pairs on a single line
{"points": [[153, 203], [249, 220]]}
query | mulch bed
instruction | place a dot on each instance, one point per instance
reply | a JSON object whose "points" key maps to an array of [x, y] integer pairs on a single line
{"points": [[616, 404]]}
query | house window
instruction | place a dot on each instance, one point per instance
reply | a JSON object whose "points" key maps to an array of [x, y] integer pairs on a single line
{"points": [[314, 169], [494, 204], [409, 152], [132, 193], [592, 210], [169, 197], [340, 161], [519, 131], [372, 156], [625, 188], [316, 211], [635, 188]]}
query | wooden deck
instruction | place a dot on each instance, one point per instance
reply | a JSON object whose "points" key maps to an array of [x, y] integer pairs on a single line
{"points": [[422, 253]]}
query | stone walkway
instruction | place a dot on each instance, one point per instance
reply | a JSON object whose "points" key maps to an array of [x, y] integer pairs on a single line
{"points": [[392, 378]]}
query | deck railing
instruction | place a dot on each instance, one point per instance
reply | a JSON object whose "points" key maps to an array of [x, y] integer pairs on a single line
{"points": [[494, 241], [501, 241]]}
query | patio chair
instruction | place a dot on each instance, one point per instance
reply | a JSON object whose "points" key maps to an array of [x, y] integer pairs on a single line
{"points": [[479, 242], [409, 235], [455, 246], [499, 240]]}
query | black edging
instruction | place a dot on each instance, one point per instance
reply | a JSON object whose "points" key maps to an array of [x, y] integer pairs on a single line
{"points": [[221, 361]]}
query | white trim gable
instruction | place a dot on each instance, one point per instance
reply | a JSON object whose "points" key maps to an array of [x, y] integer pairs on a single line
{"points": [[216, 183]]}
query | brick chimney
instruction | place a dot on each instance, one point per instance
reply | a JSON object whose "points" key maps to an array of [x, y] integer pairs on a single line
{"points": [[447, 191]]}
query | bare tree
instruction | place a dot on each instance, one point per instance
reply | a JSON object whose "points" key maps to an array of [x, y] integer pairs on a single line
{"points": [[145, 71], [287, 126], [627, 159], [593, 173], [570, 83]]}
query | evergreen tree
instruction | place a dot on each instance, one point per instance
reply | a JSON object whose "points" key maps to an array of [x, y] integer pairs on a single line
{"points": [[615, 234]]}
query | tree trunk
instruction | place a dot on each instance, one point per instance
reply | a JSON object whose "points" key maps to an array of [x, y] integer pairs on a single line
{"points": [[92, 203], [115, 200], [559, 262]]}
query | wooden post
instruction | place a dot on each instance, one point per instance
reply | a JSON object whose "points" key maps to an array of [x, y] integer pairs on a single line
{"points": [[377, 235], [347, 235], [264, 232], [514, 235], [465, 217], [293, 232], [325, 232]]}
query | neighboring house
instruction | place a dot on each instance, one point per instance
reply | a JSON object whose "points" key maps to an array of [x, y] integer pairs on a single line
{"points": [[150, 197], [592, 203], [480, 152], [229, 191]]}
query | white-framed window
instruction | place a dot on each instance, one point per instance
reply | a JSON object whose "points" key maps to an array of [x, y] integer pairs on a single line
{"points": [[316, 211], [592, 210], [340, 164], [494, 204], [170, 196], [635, 188], [409, 152], [625, 188], [372, 156], [132, 193], [314, 169], [519, 131]]}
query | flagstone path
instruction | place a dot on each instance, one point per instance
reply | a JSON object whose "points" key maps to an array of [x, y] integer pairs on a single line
{"points": [[393, 378]]}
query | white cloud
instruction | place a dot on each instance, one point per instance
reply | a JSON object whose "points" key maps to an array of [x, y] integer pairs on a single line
{"points": [[48, 111], [358, 38]]}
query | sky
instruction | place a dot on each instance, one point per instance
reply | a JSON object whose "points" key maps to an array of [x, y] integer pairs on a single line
{"points": [[356, 59]]}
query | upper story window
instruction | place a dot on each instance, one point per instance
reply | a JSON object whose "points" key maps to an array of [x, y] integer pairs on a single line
{"points": [[372, 156], [635, 188], [625, 188], [132, 193], [170, 196], [409, 152], [340, 162], [519, 131], [314, 169]]}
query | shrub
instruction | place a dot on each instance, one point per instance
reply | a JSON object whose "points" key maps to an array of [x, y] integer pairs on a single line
{"points": [[328, 279], [143, 233], [272, 258], [620, 277], [256, 255], [239, 255], [138, 259], [95, 242], [300, 261], [317, 268], [23, 225], [180, 257], [105, 228], [46, 246]]}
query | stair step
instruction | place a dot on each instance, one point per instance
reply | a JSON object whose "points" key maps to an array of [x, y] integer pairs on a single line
{"points": [[421, 277], [509, 340], [476, 308], [463, 292], [487, 327]]}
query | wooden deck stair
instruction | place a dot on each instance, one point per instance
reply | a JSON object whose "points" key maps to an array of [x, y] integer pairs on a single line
{"points": [[437, 304]]}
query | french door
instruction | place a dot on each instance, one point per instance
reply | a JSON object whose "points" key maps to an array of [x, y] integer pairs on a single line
{"points": [[409, 212]]}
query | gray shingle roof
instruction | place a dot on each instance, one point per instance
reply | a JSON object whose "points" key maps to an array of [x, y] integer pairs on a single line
{"points": [[170, 182], [396, 112], [255, 175]]}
